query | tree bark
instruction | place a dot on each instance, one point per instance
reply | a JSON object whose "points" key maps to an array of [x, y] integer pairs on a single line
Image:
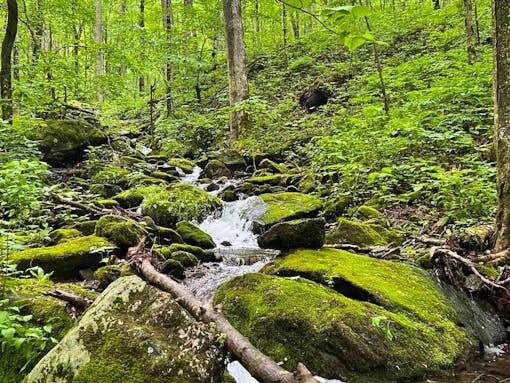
{"points": [[501, 42], [259, 365], [236, 60], [99, 55], [166, 8], [141, 24], [6, 60], [468, 22]]}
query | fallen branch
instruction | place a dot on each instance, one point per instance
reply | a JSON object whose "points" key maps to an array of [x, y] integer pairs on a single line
{"points": [[429, 241], [452, 254], [262, 367], [496, 257]]}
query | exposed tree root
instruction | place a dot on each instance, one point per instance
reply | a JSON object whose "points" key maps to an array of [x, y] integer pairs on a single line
{"points": [[259, 365]]}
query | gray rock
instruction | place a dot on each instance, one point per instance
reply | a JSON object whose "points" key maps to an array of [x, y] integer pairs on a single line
{"points": [[307, 233]]}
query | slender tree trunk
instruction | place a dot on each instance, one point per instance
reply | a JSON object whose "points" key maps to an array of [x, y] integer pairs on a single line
{"points": [[5, 70], [166, 7], [15, 59], [436, 4], [141, 24], [236, 60], [501, 41], [470, 41], [99, 54], [294, 20], [284, 25], [477, 24], [256, 36]]}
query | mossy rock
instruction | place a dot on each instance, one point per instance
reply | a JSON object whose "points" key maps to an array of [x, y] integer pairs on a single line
{"points": [[272, 180], [179, 202], [335, 207], [168, 236], [287, 206], [192, 235], [111, 174], [166, 252], [182, 163], [307, 184], [231, 158], [108, 274], [85, 227], [134, 331], [185, 258], [27, 295], [124, 232], [62, 235], [105, 190], [164, 176], [133, 197], [307, 233], [131, 160], [106, 203], [366, 213], [216, 169], [266, 163], [362, 234], [65, 259], [173, 268], [141, 179], [64, 141], [378, 322]]}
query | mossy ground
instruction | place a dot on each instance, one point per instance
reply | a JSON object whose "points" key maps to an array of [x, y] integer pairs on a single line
{"points": [[362, 234]]}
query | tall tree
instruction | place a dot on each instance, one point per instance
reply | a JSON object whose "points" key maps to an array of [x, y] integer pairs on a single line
{"points": [[141, 24], [236, 61], [470, 40], [99, 40], [501, 42], [6, 60], [166, 8]]}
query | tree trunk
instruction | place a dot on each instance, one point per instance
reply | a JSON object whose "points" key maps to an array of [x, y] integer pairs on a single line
{"points": [[99, 54], [284, 25], [236, 60], [259, 365], [501, 41], [5, 70], [141, 24], [294, 19], [470, 41], [436, 4], [166, 8]]}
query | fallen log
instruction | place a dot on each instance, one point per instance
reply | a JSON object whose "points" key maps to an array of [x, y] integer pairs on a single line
{"points": [[262, 367]]}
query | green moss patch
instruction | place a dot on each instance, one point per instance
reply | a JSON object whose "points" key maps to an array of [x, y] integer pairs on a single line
{"points": [[193, 235], [133, 197], [179, 202], [286, 206], [122, 231], [336, 336], [66, 259]]}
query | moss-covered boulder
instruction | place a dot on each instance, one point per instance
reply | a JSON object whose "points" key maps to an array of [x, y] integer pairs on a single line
{"points": [[105, 190], [272, 180], [307, 233], [231, 158], [366, 213], [27, 296], [85, 227], [362, 234], [103, 203], [168, 236], [166, 252], [111, 174], [335, 207], [179, 202], [124, 232], [137, 333], [348, 317], [62, 235], [193, 235], [216, 169], [287, 206], [133, 197], [108, 274], [272, 166], [65, 259], [63, 141], [182, 163]]}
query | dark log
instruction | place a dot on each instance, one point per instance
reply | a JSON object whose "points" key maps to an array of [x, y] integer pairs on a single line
{"points": [[262, 367]]}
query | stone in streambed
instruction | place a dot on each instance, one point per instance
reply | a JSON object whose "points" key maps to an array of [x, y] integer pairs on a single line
{"points": [[193, 235], [216, 169], [122, 231], [307, 233]]}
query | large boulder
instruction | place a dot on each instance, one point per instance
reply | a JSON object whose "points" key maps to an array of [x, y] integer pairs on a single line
{"points": [[63, 141], [348, 317], [37, 310], [362, 234], [216, 169], [137, 333], [287, 206], [65, 259], [133, 197], [179, 202], [193, 235], [308, 233], [231, 158]]}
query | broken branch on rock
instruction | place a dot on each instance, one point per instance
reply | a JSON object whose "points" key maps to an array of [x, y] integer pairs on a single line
{"points": [[262, 367]]}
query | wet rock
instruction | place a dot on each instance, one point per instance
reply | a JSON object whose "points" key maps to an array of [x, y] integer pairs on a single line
{"points": [[362, 234], [226, 244], [63, 142], [122, 231], [231, 158], [348, 317], [134, 330], [285, 207], [212, 187], [307, 233], [192, 235], [65, 259], [166, 252], [215, 169], [173, 268], [179, 202]]}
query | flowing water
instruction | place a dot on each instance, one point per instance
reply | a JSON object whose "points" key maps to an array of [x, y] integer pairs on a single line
{"points": [[238, 254]]}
